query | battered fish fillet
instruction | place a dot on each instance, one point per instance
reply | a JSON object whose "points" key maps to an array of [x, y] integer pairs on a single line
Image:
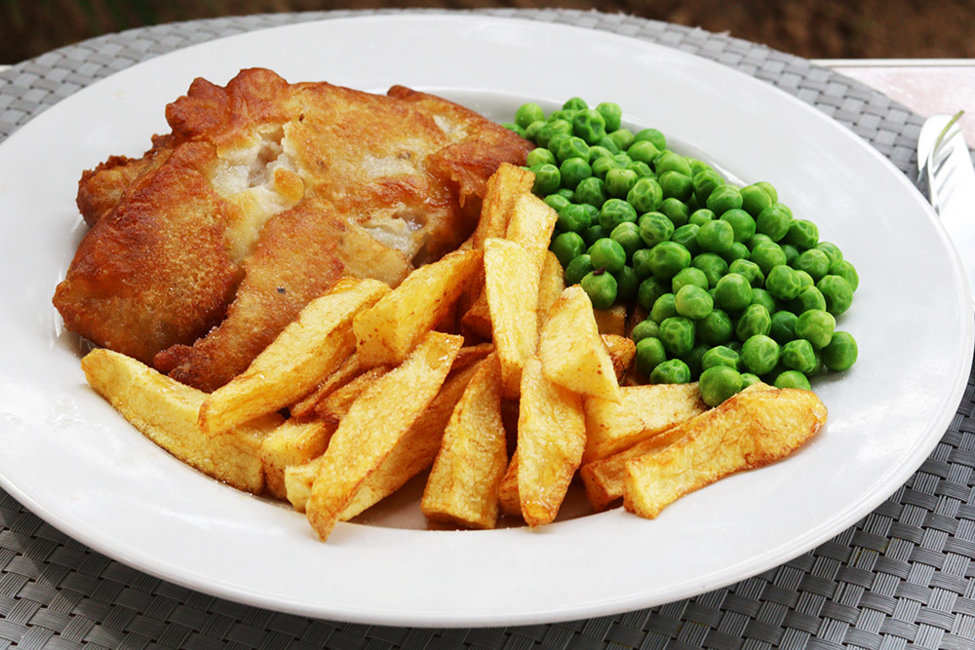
{"points": [[261, 197]]}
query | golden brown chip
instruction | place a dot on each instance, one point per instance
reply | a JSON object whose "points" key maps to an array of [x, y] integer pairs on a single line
{"points": [[305, 352], [165, 411], [748, 430], [551, 284], [349, 370], [551, 437], [466, 477], [622, 350], [611, 320], [295, 442], [387, 332], [375, 424], [334, 407]]}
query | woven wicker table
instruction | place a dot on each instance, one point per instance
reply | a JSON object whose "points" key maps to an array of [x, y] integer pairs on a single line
{"points": [[904, 576]]}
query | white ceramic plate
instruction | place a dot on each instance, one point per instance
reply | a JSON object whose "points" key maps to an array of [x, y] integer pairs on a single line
{"points": [[68, 457]]}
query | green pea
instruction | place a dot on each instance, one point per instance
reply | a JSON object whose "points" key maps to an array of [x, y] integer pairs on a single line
{"points": [[721, 355], [669, 161], [769, 189], [622, 137], [575, 104], [627, 234], [759, 238], [716, 236], [672, 371], [528, 113], [767, 255], [642, 169], [832, 251], [641, 263], [749, 379], [764, 298], [847, 271], [655, 227], [533, 129], [791, 253], [609, 144], [712, 264], [567, 247], [663, 308], [813, 261], [613, 212], [737, 251], [715, 328], [612, 115], [749, 269], [800, 355], [597, 151], [601, 288], [601, 166], [594, 232], [755, 198], [803, 234], [693, 302], [608, 254], [759, 354], [723, 198], [565, 193], [841, 351], [650, 353], [782, 282], [590, 125], [653, 136], [733, 292], [718, 383], [590, 190], [578, 268], [643, 151], [837, 292], [783, 326], [705, 182], [741, 222], [539, 156], [809, 298], [650, 289], [675, 184], [574, 218], [677, 335], [556, 201], [573, 171], [626, 284], [667, 258], [686, 236], [689, 276], [792, 379], [620, 181], [676, 210], [773, 221], [511, 126], [816, 326], [644, 329], [645, 195], [547, 179], [754, 320], [701, 216], [552, 128], [694, 358]]}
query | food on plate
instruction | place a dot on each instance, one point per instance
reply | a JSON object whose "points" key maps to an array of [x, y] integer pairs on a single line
{"points": [[260, 198], [750, 429], [504, 368], [709, 264], [167, 412]]}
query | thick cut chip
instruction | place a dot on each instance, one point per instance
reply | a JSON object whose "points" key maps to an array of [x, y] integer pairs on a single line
{"points": [[375, 424], [622, 350], [748, 430], [165, 411], [641, 412], [508, 498], [504, 186], [387, 332], [298, 480], [466, 477], [551, 437], [293, 443], [349, 370], [511, 284], [307, 350], [334, 407], [416, 450], [551, 284], [572, 353], [611, 320]]}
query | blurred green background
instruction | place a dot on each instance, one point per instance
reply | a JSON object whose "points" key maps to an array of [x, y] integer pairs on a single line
{"points": [[808, 28]]}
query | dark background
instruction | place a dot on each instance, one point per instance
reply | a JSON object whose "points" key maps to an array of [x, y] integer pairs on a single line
{"points": [[807, 28]]}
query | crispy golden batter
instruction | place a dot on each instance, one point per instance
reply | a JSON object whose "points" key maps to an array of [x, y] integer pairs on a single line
{"points": [[261, 197]]}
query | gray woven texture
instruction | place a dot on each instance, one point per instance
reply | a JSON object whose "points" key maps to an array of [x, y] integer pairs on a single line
{"points": [[903, 577]]}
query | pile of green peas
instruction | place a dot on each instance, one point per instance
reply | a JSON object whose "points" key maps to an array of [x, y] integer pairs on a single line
{"points": [[735, 289]]}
